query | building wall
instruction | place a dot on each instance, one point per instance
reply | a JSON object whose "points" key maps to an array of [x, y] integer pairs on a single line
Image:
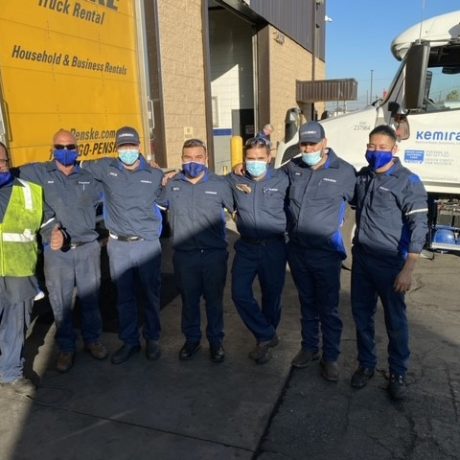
{"points": [[182, 73], [288, 62]]}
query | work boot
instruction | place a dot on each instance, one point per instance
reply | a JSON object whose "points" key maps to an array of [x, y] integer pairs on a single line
{"points": [[261, 354], [361, 376], [329, 370], [124, 353], [397, 387], [304, 357], [97, 350], [65, 361], [152, 350], [20, 386]]}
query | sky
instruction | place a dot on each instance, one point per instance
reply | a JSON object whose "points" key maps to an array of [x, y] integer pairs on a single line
{"points": [[359, 36]]}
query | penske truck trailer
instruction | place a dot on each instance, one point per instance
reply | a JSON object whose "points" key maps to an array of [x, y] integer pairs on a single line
{"points": [[423, 105], [73, 64]]}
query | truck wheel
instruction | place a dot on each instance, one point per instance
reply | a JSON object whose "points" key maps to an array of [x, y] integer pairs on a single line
{"points": [[348, 231]]}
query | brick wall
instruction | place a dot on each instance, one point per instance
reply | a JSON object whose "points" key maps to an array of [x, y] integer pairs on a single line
{"points": [[288, 62], [182, 69]]}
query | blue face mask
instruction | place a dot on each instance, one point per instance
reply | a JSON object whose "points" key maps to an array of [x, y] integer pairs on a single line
{"points": [[65, 157], [193, 169], [378, 158], [256, 167], [311, 159], [128, 157], [5, 178]]}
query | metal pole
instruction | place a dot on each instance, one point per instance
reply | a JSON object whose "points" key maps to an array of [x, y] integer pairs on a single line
{"points": [[372, 81]]}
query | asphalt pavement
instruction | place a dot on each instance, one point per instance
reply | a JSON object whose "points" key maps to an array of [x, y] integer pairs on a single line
{"points": [[200, 410]]}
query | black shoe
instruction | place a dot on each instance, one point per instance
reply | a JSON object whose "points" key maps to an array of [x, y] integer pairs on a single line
{"points": [[188, 350], [124, 353], [152, 350], [329, 370], [217, 353], [397, 387], [261, 353], [361, 376]]}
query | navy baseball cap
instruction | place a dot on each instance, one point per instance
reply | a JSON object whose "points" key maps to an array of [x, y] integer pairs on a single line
{"points": [[311, 132], [127, 135]]}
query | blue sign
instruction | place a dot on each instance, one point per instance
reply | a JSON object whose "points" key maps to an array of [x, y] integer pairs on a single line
{"points": [[414, 156]]}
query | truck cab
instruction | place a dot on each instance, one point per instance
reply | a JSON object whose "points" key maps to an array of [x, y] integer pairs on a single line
{"points": [[423, 105]]}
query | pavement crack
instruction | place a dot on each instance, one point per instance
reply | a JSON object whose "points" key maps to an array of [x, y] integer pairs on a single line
{"points": [[273, 413], [102, 419], [452, 391]]}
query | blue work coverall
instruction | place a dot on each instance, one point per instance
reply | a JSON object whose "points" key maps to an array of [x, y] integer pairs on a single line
{"points": [[261, 249], [317, 205], [134, 223], [197, 219], [73, 199], [391, 218]]}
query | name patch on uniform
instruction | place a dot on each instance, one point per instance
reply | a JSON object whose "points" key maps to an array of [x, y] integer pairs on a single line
{"points": [[175, 189], [113, 174], [83, 182], [329, 180], [210, 192], [50, 182], [385, 189], [146, 181], [271, 189]]}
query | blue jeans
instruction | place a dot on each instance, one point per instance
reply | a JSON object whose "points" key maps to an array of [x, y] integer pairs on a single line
{"points": [[373, 277], [14, 320], [316, 275], [267, 261], [64, 271], [202, 272], [132, 263]]}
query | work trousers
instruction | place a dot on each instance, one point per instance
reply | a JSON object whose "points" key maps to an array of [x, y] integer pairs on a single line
{"points": [[78, 268], [316, 274], [132, 261], [201, 272], [14, 321], [373, 277], [265, 259]]}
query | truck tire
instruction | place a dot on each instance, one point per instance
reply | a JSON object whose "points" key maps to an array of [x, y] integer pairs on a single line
{"points": [[348, 231]]}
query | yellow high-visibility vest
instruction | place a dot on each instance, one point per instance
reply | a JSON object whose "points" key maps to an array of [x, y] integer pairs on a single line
{"points": [[21, 222]]}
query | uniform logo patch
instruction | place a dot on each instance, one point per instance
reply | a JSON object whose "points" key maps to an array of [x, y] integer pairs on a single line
{"points": [[329, 180], [113, 174], [210, 192], [146, 181], [243, 188]]}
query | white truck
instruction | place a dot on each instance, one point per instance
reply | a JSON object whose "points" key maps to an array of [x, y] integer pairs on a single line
{"points": [[423, 105]]}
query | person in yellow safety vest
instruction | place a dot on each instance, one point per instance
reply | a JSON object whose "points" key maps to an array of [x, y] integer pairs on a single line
{"points": [[21, 213]]}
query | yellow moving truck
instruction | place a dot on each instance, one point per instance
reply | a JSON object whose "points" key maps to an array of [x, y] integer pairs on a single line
{"points": [[77, 65]]}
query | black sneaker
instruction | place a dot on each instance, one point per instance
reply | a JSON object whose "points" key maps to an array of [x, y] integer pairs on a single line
{"points": [[397, 387], [152, 350], [188, 350], [361, 376]]}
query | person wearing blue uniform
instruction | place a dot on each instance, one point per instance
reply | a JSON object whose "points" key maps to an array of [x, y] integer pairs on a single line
{"points": [[195, 199], [72, 194], [131, 187], [21, 214], [391, 219], [260, 215], [321, 185]]}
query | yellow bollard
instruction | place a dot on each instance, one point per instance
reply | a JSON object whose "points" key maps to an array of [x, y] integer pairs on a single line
{"points": [[237, 150]]}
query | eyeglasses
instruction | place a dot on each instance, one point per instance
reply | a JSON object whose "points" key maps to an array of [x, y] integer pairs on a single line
{"points": [[254, 141], [67, 147]]}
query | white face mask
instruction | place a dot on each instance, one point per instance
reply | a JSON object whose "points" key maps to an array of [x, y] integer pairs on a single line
{"points": [[312, 158]]}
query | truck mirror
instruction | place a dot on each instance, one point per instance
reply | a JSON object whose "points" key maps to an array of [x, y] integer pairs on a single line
{"points": [[416, 65]]}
